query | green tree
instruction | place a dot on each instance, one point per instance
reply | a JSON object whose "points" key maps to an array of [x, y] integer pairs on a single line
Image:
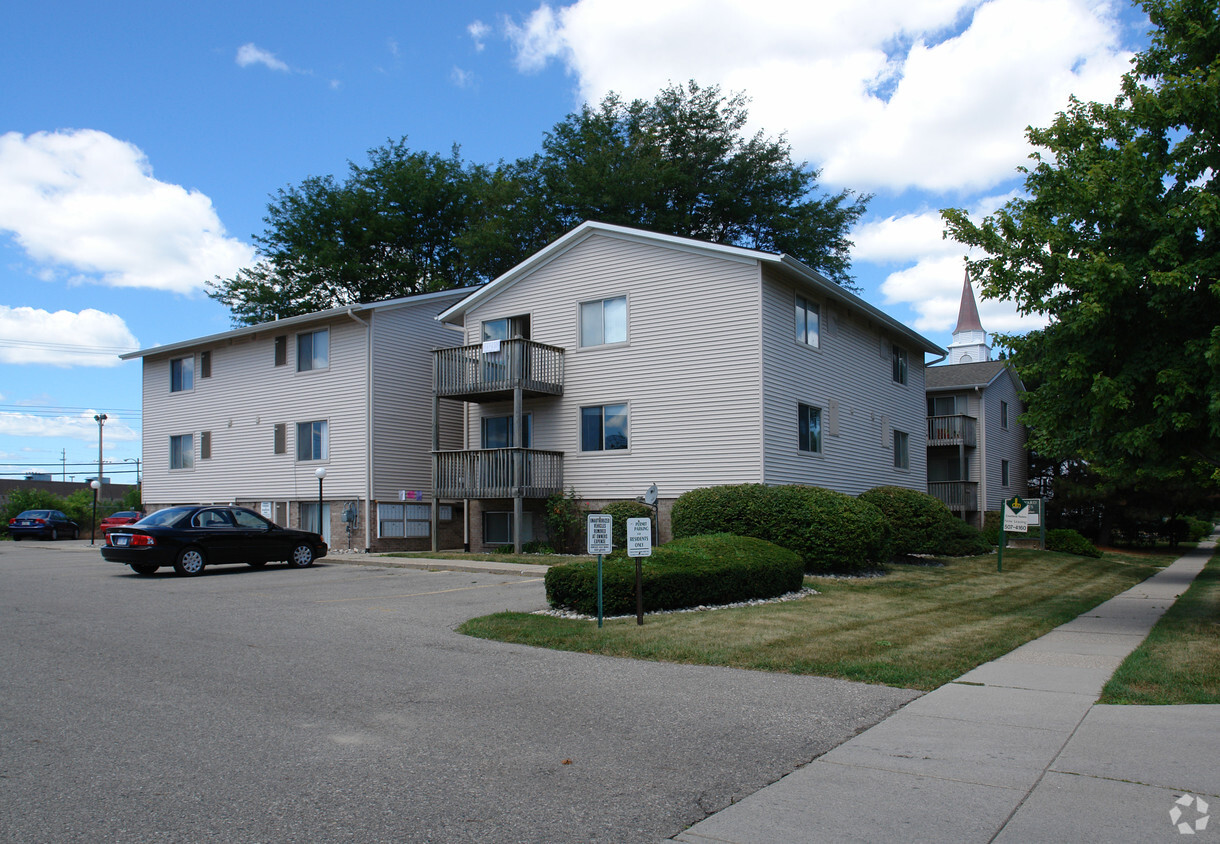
{"points": [[1115, 240]]}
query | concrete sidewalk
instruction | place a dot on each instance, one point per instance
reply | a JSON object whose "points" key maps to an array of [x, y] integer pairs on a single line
{"points": [[1015, 750]]}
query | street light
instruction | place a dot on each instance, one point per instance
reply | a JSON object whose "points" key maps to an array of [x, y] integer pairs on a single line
{"points": [[320, 474], [136, 461], [96, 484], [100, 420]]}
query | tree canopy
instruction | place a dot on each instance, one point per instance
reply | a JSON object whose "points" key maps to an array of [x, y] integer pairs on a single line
{"points": [[413, 222], [1115, 239]]}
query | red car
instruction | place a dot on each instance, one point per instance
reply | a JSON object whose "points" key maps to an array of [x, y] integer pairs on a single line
{"points": [[123, 517]]}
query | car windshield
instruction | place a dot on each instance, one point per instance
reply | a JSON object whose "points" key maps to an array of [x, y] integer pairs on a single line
{"points": [[35, 514], [166, 517]]}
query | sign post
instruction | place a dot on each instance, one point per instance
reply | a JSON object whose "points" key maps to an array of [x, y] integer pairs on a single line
{"points": [[639, 544], [1016, 519], [600, 535]]}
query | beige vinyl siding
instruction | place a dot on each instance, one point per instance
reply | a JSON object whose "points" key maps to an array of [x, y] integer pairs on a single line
{"points": [[403, 339], [243, 400], [689, 370], [997, 443], [850, 378]]}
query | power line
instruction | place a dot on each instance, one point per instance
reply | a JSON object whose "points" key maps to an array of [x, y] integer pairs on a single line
{"points": [[75, 348]]}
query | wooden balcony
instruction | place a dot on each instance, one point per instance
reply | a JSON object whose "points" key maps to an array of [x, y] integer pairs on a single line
{"points": [[498, 473], [492, 371], [958, 496], [952, 430]]}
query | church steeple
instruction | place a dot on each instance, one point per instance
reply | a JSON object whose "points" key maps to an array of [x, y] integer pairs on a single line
{"points": [[969, 339]]}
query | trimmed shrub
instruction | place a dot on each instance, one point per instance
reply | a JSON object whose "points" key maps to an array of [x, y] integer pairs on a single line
{"points": [[917, 520], [830, 530], [1197, 529], [992, 521], [691, 572], [958, 539], [622, 511], [1070, 542]]}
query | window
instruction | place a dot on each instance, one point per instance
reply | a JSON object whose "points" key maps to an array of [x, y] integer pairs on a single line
{"points": [[902, 454], [507, 328], [313, 350], [1003, 414], [808, 319], [182, 452], [498, 528], [205, 445], [181, 374], [943, 405], [281, 438], [603, 428], [1003, 473], [311, 441], [498, 431], [809, 428], [404, 520], [205, 364], [603, 322], [281, 350], [900, 365]]}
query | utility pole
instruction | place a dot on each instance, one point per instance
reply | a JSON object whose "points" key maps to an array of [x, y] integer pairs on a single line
{"points": [[101, 420]]}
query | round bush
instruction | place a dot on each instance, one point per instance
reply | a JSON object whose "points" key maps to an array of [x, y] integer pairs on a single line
{"points": [[916, 519], [1070, 542], [959, 539], [691, 572], [830, 530], [622, 511]]}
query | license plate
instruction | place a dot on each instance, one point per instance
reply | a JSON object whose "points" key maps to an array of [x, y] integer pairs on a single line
{"points": [[120, 540]]}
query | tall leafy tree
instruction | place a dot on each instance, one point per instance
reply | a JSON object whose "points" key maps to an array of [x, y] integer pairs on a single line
{"points": [[1116, 240]]}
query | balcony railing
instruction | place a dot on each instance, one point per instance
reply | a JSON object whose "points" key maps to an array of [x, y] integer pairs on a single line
{"points": [[959, 496], [493, 370], [952, 430], [498, 473]]}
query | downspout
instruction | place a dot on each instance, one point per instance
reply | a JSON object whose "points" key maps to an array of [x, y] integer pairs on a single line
{"points": [[368, 426]]}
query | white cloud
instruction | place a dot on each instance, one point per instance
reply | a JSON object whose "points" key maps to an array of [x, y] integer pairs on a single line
{"points": [[79, 426], [85, 203], [63, 338], [249, 54], [882, 95], [461, 78], [478, 32]]}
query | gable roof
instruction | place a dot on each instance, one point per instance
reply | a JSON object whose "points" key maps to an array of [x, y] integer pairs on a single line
{"points": [[289, 323], [968, 376], [785, 264]]}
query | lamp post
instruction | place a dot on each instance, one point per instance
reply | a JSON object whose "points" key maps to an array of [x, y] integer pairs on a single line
{"points": [[320, 474], [100, 419], [136, 461], [96, 484]]}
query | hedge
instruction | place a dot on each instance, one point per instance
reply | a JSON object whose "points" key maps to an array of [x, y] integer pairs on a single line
{"points": [[1070, 542], [922, 524], [831, 531], [622, 511], [691, 572]]}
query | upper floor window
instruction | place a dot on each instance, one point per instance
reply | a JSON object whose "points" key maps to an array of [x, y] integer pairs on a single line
{"points": [[182, 451], [205, 364], [603, 428], [808, 322], [809, 428], [603, 322], [1003, 473], [205, 445], [1003, 414], [181, 374], [313, 350], [498, 431], [902, 450], [899, 360], [311, 441], [506, 328], [945, 405], [281, 350]]}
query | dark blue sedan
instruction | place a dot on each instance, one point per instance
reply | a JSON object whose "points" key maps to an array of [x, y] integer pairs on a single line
{"points": [[44, 524]]}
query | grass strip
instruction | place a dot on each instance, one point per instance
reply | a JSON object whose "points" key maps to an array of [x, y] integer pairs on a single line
{"points": [[1179, 661], [918, 627]]}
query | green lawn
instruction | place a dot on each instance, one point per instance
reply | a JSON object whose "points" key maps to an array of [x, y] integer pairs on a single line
{"points": [[918, 627], [1179, 662]]}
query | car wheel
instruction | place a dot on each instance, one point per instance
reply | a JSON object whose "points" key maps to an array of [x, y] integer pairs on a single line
{"points": [[144, 568], [54, 535], [302, 556], [190, 561]]}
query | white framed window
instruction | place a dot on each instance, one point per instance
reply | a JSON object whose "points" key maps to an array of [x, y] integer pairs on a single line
{"points": [[808, 322], [313, 350], [809, 428], [182, 451], [603, 322], [899, 364], [181, 375], [603, 427], [498, 528], [312, 440], [395, 521], [902, 450]]}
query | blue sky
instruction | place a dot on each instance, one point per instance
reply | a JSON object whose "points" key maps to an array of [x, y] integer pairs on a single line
{"points": [[141, 142]]}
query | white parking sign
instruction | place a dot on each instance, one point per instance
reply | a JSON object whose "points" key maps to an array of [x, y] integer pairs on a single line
{"points": [[639, 537], [601, 539]]}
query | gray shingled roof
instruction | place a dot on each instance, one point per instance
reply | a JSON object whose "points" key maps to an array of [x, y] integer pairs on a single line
{"points": [[964, 375]]}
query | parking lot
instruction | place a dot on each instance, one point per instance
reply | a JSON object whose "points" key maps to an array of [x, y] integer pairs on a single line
{"points": [[336, 703]]}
